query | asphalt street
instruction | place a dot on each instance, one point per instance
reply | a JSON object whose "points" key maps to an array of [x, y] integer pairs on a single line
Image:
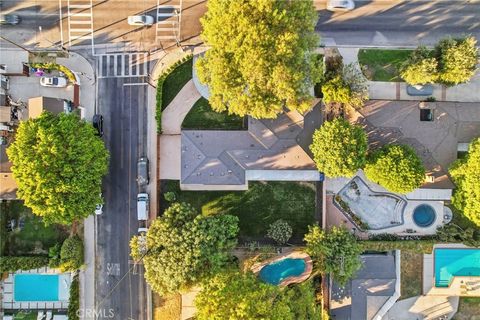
{"points": [[120, 285]]}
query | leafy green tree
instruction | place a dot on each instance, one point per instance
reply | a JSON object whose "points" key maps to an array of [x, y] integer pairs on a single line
{"points": [[280, 231], [58, 164], [242, 296], [335, 251], [339, 148], [420, 68], [71, 254], [457, 59], [466, 175], [261, 56], [397, 168], [183, 248]]}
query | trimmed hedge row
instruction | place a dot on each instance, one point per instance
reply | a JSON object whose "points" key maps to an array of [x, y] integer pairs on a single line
{"points": [[12, 264], [160, 81], [74, 302]]}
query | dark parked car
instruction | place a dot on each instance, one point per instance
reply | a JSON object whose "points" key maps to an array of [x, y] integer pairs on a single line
{"points": [[11, 19], [97, 122], [142, 171]]}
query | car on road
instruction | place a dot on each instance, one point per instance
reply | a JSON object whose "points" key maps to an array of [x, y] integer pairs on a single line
{"points": [[340, 5], [54, 82], [142, 171], [142, 206], [143, 20], [97, 122], [11, 19]]}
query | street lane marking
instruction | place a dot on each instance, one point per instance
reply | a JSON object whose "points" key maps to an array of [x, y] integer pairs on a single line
{"points": [[123, 65], [80, 20], [168, 21]]}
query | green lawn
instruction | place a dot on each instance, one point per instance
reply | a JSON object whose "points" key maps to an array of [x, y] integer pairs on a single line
{"points": [[259, 206], [468, 309], [201, 116], [411, 274], [175, 82], [382, 65], [34, 237]]}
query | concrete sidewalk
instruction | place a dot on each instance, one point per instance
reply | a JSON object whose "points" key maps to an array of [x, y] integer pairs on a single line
{"points": [[380, 90]]}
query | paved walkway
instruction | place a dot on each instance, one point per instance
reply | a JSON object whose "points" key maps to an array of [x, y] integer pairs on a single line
{"points": [[423, 308], [380, 90]]}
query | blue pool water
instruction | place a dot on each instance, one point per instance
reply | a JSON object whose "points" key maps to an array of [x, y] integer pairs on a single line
{"points": [[35, 287], [455, 262], [424, 215], [275, 272]]}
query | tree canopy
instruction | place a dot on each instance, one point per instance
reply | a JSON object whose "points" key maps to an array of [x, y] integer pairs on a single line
{"points": [[397, 168], [58, 164], [261, 56], [457, 59], [420, 68], [466, 175], [182, 248], [339, 148], [237, 296], [335, 251]]}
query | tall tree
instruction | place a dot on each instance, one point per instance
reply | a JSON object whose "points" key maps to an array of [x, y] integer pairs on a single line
{"points": [[58, 164], [397, 168], [466, 175], [335, 251], [182, 248], [261, 56], [420, 68], [339, 148]]}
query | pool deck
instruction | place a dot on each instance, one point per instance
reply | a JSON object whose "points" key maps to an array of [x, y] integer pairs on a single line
{"points": [[289, 255], [7, 288]]}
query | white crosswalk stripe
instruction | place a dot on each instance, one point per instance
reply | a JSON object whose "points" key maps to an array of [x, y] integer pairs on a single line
{"points": [[80, 20], [168, 22], [122, 65]]}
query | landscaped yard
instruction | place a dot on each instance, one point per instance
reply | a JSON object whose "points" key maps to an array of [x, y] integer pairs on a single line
{"points": [[259, 206], [175, 82], [411, 274], [468, 309], [382, 65], [167, 308], [201, 116], [33, 237]]}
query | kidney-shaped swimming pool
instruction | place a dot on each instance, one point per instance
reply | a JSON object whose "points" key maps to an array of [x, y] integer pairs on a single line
{"points": [[276, 272]]}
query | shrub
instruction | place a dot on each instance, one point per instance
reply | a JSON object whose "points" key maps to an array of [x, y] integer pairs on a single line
{"points": [[160, 81], [74, 301], [397, 168], [280, 231], [54, 255], [12, 264], [420, 68], [457, 59], [170, 196], [71, 254]]}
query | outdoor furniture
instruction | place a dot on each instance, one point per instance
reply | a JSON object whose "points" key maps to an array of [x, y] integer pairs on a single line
{"points": [[425, 90]]}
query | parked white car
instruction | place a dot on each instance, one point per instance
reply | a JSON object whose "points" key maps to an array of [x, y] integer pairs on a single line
{"points": [[340, 5], [143, 20], [56, 82]]}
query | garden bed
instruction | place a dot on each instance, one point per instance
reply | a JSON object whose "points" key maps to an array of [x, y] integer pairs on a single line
{"points": [[202, 117], [411, 274], [258, 207], [468, 309], [382, 64]]}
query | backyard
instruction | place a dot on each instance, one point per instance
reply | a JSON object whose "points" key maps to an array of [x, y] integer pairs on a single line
{"points": [[201, 116], [29, 235], [411, 274], [259, 206], [382, 65]]}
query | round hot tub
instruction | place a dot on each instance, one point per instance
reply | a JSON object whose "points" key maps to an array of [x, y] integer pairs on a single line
{"points": [[424, 215]]}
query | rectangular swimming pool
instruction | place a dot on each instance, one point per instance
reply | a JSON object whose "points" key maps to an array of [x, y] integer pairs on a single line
{"points": [[36, 287], [452, 262]]}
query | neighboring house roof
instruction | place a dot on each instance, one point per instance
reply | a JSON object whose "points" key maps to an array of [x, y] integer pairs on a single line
{"points": [[8, 186], [371, 292], [212, 157], [5, 114], [39, 104]]}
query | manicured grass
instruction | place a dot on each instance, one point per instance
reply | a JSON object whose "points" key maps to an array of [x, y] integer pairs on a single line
{"points": [[25, 316], [259, 206], [468, 309], [175, 82], [382, 65], [34, 238], [201, 116], [411, 274], [167, 308]]}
